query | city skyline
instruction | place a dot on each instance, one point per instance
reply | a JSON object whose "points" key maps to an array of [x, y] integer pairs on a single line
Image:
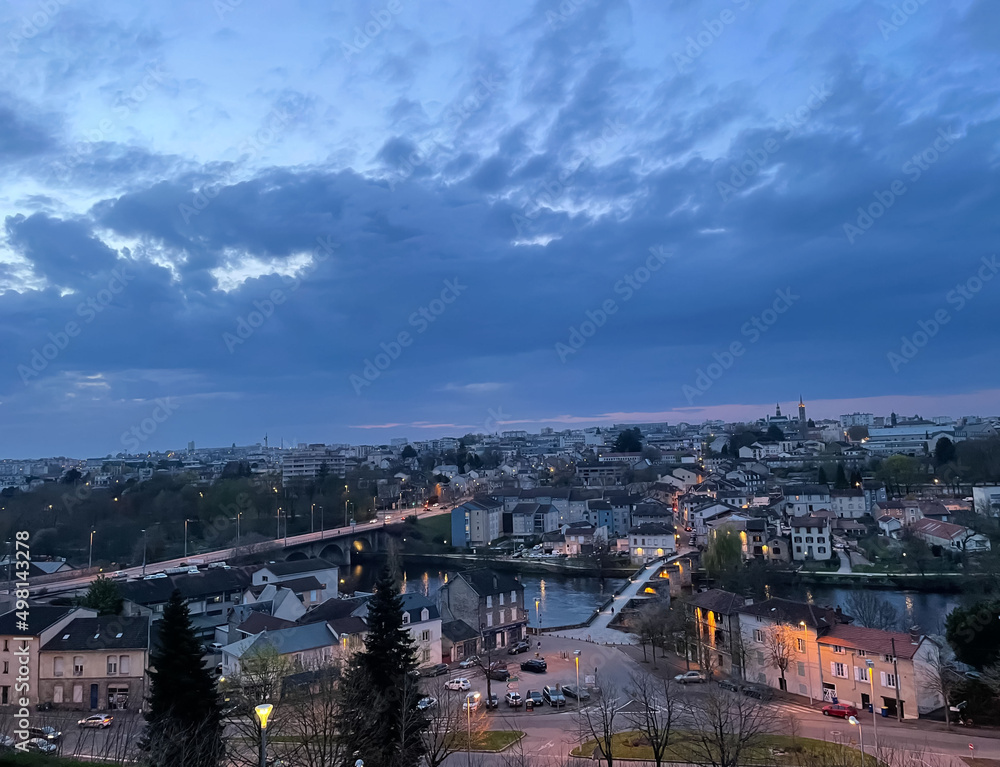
{"points": [[346, 225]]}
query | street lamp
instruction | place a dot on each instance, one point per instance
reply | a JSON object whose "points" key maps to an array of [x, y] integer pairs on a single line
{"points": [[263, 711], [322, 524], [238, 515], [861, 734], [312, 518], [186, 537], [538, 616], [468, 724], [144, 552], [871, 678], [806, 648], [579, 695], [90, 560]]}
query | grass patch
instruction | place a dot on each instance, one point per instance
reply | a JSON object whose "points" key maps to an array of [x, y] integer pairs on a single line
{"points": [[492, 741], [780, 750]]}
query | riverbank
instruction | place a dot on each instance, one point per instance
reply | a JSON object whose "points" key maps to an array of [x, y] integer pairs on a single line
{"points": [[949, 583], [563, 566]]}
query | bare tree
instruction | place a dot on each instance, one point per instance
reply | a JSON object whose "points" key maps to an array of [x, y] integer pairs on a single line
{"points": [[312, 713], [872, 612], [598, 721], [938, 675], [779, 649], [655, 712], [259, 680], [726, 727], [448, 728]]}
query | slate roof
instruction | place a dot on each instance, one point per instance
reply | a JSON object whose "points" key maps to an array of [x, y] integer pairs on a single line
{"points": [[652, 528], [258, 622], [484, 581], [458, 631], [289, 640], [298, 585], [109, 632], [333, 609], [794, 613], [298, 566], [40, 617], [718, 601], [191, 586]]}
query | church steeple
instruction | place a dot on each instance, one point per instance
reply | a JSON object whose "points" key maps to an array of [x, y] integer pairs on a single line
{"points": [[802, 411], [777, 410]]}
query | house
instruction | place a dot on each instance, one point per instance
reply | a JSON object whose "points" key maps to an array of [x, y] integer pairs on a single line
{"points": [[889, 526], [478, 522], [652, 511], [805, 499], [986, 500], [44, 622], [899, 668], [949, 536], [423, 623], [488, 600], [280, 602], [96, 664], [341, 617], [305, 647], [811, 539], [580, 538], [312, 580], [458, 640], [530, 520], [651, 541], [848, 504], [914, 510], [715, 616], [210, 593]]}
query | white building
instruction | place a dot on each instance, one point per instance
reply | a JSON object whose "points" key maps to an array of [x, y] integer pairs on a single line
{"points": [[857, 419], [986, 500], [848, 504], [811, 539], [651, 541]]}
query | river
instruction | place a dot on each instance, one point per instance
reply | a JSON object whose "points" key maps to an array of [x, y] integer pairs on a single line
{"points": [[927, 610], [562, 599]]}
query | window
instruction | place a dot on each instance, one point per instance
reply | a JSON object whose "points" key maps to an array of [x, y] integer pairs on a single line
{"points": [[798, 549], [862, 674], [77, 665], [838, 649], [57, 666], [800, 645], [425, 636], [6, 645], [425, 614], [112, 664], [57, 694], [888, 680], [758, 636], [425, 655], [888, 658], [78, 693], [501, 599], [489, 619], [502, 616], [124, 664], [489, 601], [809, 539], [822, 549], [861, 653], [312, 595], [6, 666], [801, 667], [513, 596], [406, 618], [838, 669]]}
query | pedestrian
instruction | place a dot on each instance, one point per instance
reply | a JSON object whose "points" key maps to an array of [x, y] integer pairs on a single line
{"points": [[612, 611]]}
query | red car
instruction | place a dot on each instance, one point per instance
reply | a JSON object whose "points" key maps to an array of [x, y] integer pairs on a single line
{"points": [[839, 709]]}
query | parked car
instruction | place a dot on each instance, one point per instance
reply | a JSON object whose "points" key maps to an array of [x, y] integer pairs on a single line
{"points": [[534, 697], [571, 691], [553, 696], [471, 702], [513, 699], [426, 703], [499, 673], [535, 665], [729, 684], [436, 670], [97, 720], [843, 710], [41, 746], [756, 691], [46, 733], [7, 742], [519, 647], [458, 684], [690, 677], [472, 660], [214, 647], [492, 701]]}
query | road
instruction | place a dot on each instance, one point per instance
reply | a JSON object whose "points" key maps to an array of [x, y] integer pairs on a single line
{"points": [[71, 583]]}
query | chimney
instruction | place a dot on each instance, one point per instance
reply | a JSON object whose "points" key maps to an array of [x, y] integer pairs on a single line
{"points": [[747, 601], [914, 634]]}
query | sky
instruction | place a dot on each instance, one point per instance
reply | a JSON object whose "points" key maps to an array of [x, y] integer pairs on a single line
{"points": [[350, 222]]}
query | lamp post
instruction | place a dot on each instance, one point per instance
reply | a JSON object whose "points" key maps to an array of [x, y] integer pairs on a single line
{"points": [[538, 616], [238, 515], [186, 537], [808, 675], [468, 724], [322, 524], [861, 734], [579, 694], [871, 678], [277, 533], [345, 505], [90, 560], [312, 518], [144, 552], [263, 711]]}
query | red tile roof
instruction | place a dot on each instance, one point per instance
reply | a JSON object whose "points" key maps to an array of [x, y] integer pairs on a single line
{"points": [[870, 640]]}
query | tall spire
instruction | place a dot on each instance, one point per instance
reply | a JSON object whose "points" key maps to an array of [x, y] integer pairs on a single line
{"points": [[777, 410]]}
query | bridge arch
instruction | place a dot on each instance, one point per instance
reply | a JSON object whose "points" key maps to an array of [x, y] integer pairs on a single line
{"points": [[334, 552]]}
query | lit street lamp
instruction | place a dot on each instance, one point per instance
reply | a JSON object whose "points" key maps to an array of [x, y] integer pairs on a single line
{"points": [[538, 616], [861, 734], [468, 724], [579, 695], [144, 553], [186, 537], [90, 560], [871, 678], [263, 711]]}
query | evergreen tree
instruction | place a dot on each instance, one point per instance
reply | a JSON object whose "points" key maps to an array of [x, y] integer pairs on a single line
{"points": [[629, 441], [821, 476], [184, 719], [840, 483], [856, 479], [104, 596], [378, 691]]}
